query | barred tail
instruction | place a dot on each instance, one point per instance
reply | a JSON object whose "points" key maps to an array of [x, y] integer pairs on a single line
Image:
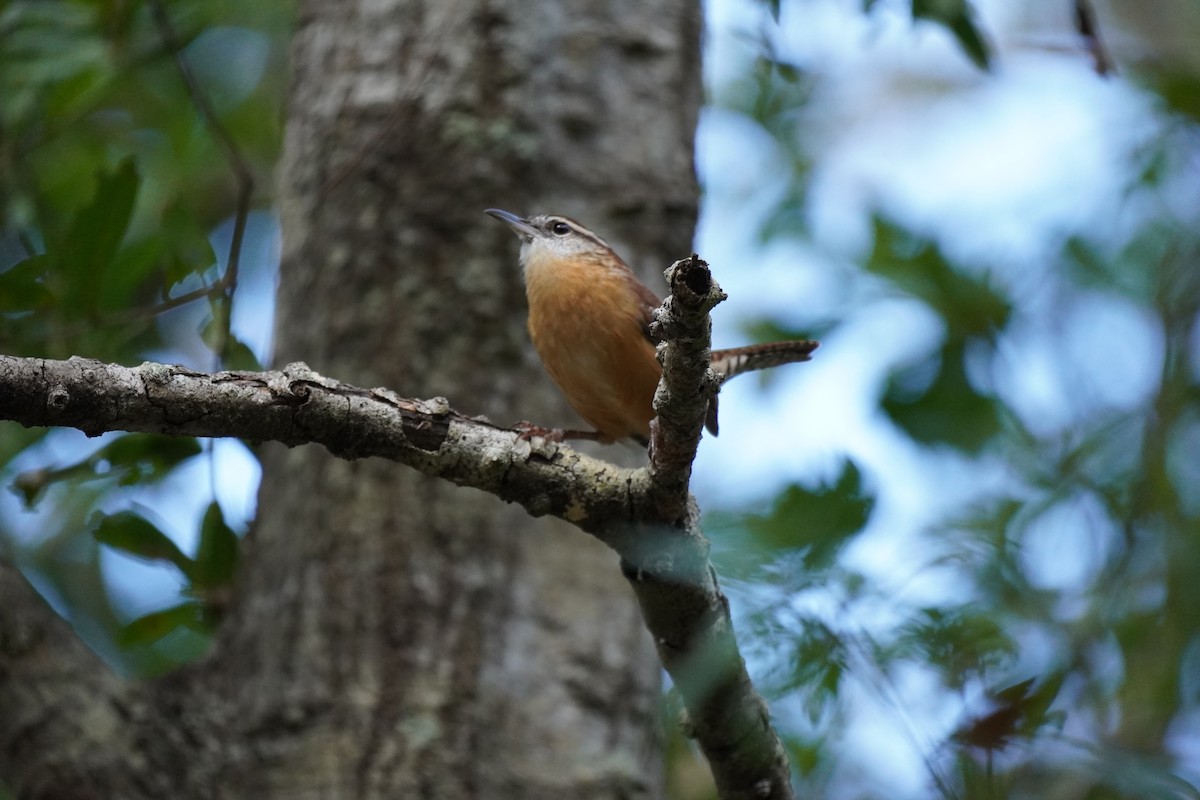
{"points": [[733, 362]]}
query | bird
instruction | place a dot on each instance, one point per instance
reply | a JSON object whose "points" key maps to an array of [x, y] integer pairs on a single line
{"points": [[589, 319]]}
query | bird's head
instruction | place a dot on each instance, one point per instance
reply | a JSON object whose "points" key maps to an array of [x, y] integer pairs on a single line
{"points": [[550, 238]]}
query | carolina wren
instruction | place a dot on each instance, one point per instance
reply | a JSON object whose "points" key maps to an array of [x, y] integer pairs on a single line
{"points": [[589, 318]]}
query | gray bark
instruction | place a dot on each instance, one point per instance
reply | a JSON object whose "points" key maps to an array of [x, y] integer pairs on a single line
{"points": [[399, 636], [391, 634]]}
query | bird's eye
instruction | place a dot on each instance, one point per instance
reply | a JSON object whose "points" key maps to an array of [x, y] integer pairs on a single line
{"points": [[560, 228]]}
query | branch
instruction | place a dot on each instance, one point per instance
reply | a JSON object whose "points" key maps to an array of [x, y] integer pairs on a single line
{"points": [[646, 515], [297, 406], [668, 565], [687, 386], [242, 174], [1089, 29]]}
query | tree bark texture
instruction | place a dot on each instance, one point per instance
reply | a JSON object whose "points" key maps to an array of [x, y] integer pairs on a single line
{"points": [[395, 636], [392, 635]]}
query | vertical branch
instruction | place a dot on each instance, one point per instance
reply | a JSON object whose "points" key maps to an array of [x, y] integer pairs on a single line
{"points": [[666, 560], [687, 385]]}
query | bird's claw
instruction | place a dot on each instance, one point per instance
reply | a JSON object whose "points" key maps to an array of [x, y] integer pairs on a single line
{"points": [[527, 430]]}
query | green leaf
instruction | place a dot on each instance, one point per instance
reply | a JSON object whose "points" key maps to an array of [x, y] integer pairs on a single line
{"points": [[137, 536], [147, 457], [1038, 702], [189, 242], [1179, 89], [131, 269], [818, 664], [948, 411], [958, 18], [22, 287], [971, 40], [213, 331], [133, 458], [30, 485], [239, 357], [217, 555], [235, 354], [76, 94], [970, 305], [943, 408], [148, 629], [962, 642], [820, 522], [94, 237], [790, 216], [807, 753]]}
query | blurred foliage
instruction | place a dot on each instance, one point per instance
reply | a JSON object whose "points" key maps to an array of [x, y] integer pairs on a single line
{"points": [[1015, 711], [958, 18], [1179, 91], [133, 459], [1061, 655], [207, 575], [811, 526], [969, 306], [972, 310], [111, 184], [920, 412], [112, 181], [774, 92]]}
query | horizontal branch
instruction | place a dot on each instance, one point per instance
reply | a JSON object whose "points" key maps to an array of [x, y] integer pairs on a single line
{"points": [[664, 554], [296, 405]]}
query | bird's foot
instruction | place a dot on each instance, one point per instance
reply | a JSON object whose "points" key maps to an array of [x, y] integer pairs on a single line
{"points": [[527, 430]]}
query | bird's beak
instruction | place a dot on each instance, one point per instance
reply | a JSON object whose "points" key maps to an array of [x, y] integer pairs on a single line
{"points": [[521, 227]]}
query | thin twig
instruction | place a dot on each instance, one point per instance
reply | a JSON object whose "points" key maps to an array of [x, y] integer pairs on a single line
{"points": [[142, 313], [885, 689], [237, 162], [1085, 23]]}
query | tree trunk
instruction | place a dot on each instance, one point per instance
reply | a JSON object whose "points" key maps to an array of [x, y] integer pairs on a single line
{"points": [[394, 635], [391, 635]]}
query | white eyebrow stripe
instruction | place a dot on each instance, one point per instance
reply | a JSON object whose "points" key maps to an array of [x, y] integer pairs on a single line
{"points": [[543, 221]]}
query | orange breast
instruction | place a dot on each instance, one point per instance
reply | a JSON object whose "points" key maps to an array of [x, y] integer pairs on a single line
{"points": [[586, 323]]}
